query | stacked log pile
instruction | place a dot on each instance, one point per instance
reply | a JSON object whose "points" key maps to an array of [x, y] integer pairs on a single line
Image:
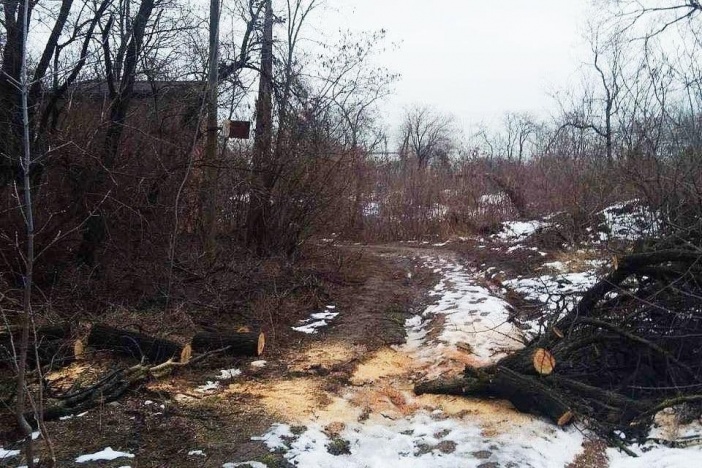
{"points": [[631, 347]]}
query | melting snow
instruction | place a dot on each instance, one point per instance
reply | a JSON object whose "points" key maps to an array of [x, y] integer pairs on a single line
{"points": [[316, 321], [473, 321], [70, 416], [259, 364], [424, 440], [8, 453], [226, 374], [252, 464], [198, 453], [629, 221], [208, 387], [556, 292], [656, 455], [516, 231], [558, 266], [106, 454], [466, 319]]}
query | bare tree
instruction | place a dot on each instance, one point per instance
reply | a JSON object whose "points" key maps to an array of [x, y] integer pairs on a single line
{"points": [[630, 13], [599, 108], [27, 209], [520, 130], [426, 134]]}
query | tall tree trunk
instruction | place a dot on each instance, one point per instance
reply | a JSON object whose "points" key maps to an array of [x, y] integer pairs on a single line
{"points": [[26, 321], [94, 232], [256, 235], [209, 184], [120, 106], [10, 96]]}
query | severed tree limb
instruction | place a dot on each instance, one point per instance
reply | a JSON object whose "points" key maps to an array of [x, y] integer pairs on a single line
{"points": [[640, 340], [526, 393], [626, 266]]}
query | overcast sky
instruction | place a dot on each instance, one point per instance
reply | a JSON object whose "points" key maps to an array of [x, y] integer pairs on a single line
{"points": [[476, 59]]}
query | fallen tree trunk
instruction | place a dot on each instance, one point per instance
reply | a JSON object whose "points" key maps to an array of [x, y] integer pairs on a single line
{"points": [[526, 393], [133, 344], [244, 343], [630, 347], [537, 361], [49, 345]]}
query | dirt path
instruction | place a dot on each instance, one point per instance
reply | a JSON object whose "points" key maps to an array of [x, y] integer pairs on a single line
{"points": [[347, 399], [342, 397]]}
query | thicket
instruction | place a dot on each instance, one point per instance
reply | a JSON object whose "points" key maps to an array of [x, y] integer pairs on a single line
{"points": [[116, 100]]}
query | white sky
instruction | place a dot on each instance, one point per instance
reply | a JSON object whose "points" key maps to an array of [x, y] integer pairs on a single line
{"points": [[476, 59]]}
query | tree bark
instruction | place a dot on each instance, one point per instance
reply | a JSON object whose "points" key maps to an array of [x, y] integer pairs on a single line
{"points": [[238, 343], [52, 344], [256, 233], [526, 393], [133, 344]]}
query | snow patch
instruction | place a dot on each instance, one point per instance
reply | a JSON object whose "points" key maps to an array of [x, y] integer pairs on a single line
{"points": [[629, 221], [557, 293], [422, 441], [210, 386], [517, 231], [252, 464], [227, 374], [8, 453], [655, 455], [472, 321], [106, 454], [316, 321]]}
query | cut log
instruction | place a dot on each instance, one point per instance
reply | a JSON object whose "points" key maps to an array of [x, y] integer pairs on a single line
{"points": [[525, 392], [457, 386], [133, 344], [246, 343], [51, 344], [534, 360], [529, 395], [544, 362]]}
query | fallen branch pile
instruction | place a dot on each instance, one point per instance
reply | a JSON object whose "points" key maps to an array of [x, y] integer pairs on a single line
{"points": [[631, 347], [109, 388]]}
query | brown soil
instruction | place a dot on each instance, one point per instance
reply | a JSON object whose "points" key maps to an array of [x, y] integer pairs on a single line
{"points": [[347, 372], [374, 289]]}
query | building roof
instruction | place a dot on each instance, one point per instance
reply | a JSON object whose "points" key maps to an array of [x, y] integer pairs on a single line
{"points": [[98, 89]]}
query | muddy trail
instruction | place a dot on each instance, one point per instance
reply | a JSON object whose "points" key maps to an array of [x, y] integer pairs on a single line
{"points": [[338, 389], [345, 397]]}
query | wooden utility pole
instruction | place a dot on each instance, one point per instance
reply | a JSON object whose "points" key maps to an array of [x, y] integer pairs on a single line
{"points": [[209, 184], [259, 199]]}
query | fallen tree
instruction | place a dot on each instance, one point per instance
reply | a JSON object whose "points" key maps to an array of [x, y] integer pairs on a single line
{"points": [[157, 357], [133, 344], [630, 347], [50, 345], [244, 342]]}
